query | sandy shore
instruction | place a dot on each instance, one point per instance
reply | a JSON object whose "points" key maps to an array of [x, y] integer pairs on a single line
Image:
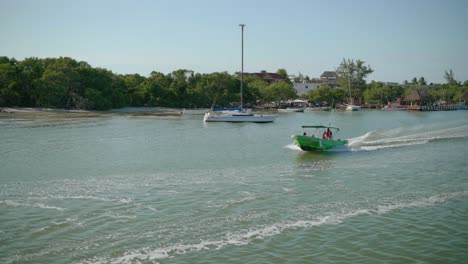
{"points": [[6, 112]]}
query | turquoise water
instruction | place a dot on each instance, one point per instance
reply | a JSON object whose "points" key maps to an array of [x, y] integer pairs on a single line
{"points": [[176, 190]]}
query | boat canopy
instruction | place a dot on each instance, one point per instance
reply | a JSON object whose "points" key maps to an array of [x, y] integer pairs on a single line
{"points": [[321, 127]]}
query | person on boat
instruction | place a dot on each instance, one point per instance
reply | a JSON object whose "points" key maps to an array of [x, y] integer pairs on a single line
{"points": [[305, 134], [329, 133], [324, 136]]}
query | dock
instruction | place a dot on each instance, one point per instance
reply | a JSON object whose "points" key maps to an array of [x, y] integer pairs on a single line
{"points": [[432, 108]]}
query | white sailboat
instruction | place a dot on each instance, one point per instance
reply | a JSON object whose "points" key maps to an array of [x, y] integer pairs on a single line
{"points": [[240, 115], [351, 107]]}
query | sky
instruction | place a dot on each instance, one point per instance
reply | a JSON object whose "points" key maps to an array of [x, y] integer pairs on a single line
{"points": [[399, 39]]}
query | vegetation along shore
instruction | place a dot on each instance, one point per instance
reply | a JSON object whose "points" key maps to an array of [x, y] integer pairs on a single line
{"points": [[65, 83]]}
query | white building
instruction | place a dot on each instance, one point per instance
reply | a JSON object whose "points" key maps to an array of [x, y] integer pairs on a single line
{"points": [[303, 88]]}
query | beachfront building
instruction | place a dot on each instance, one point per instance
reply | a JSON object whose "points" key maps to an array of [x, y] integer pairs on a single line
{"points": [[267, 76], [304, 87], [418, 98], [330, 78]]}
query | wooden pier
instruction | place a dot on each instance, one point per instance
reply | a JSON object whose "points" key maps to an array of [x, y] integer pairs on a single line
{"points": [[431, 108]]}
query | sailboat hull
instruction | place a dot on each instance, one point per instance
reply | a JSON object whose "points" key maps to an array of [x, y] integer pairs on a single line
{"points": [[238, 118], [292, 109], [352, 108]]}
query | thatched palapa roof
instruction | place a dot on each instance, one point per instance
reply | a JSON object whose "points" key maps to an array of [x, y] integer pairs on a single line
{"points": [[418, 95]]}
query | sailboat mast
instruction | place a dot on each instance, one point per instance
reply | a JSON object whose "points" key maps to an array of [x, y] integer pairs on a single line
{"points": [[349, 88], [242, 66]]}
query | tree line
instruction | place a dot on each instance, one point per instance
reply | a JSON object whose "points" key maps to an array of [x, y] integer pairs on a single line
{"points": [[70, 84], [66, 83]]}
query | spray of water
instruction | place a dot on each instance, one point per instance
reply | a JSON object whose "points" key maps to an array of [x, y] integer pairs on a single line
{"points": [[401, 137]]}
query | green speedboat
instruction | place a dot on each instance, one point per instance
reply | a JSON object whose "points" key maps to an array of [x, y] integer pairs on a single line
{"points": [[320, 139]]}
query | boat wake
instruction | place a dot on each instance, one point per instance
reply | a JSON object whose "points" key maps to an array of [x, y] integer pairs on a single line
{"points": [[401, 137], [246, 236]]}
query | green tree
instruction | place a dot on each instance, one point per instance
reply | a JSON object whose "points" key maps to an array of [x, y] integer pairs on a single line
{"points": [[155, 90], [449, 76], [31, 70], [52, 92], [284, 74], [279, 91], [339, 95], [133, 85], [375, 94], [60, 85], [256, 87], [357, 72], [119, 92], [217, 89], [179, 88], [322, 94], [9, 91], [422, 81]]}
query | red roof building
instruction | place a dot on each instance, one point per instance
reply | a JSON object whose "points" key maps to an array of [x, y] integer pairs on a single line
{"points": [[268, 77]]}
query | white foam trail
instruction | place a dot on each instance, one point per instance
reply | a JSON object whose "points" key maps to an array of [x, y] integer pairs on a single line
{"points": [[416, 142], [40, 205], [10, 203], [248, 197], [357, 140], [261, 232], [152, 208], [84, 197], [72, 221], [375, 140], [425, 202], [36, 205], [125, 200], [293, 147], [121, 216]]}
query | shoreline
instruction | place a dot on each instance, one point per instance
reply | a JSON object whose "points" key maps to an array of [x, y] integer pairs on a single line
{"points": [[32, 112]]}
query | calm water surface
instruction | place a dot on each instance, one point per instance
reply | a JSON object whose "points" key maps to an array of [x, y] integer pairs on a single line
{"points": [[176, 190]]}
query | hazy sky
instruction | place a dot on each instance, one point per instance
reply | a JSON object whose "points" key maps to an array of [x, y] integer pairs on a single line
{"points": [[398, 39]]}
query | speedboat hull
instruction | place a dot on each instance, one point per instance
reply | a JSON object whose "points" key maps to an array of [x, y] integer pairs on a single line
{"points": [[317, 144]]}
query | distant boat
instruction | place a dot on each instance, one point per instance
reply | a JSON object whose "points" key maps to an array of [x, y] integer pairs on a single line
{"points": [[237, 116], [351, 107], [319, 108], [393, 108], [241, 114], [325, 108], [316, 141], [294, 106], [292, 109]]}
